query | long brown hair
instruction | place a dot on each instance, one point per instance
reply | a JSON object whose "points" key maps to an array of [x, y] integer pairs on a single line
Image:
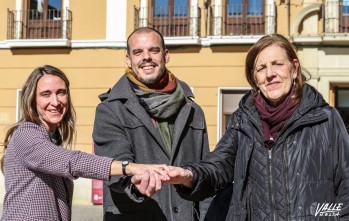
{"points": [[29, 112], [265, 42]]}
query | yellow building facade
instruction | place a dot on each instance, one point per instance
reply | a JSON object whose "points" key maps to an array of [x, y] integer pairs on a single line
{"points": [[207, 40]]}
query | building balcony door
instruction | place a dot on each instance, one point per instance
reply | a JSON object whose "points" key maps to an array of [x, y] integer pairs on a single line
{"points": [[244, 17], [171, 17], [344, 17], [44, 19]]}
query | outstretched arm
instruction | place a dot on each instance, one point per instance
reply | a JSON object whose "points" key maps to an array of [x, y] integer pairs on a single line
{"points": [[136, 168]]}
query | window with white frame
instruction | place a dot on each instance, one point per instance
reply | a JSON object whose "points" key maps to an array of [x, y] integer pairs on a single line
{"points": [[244, 17], [18, 105], [229, 102], [44, 19], [342, 103], [39, 19], [344, 17], [173, 18]]}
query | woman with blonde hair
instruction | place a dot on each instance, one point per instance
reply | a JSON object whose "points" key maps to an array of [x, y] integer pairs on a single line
{"points": [[38, 170]]}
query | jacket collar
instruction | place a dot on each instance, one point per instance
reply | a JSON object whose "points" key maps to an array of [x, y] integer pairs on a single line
{"points": [[310, 103], [122, 91], [311, 99]]}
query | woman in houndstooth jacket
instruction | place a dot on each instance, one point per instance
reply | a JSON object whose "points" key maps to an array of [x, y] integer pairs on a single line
{"points": [[38, 171]]}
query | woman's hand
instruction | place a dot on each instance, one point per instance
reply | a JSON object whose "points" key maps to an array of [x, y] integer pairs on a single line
{"points": [[180, 175], [147, 183], [148, 178]]}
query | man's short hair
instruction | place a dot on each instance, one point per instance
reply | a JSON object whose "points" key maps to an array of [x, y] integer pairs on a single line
{"points": [[145, 30]]}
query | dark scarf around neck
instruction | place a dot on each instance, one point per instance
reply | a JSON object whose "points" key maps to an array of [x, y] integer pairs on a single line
{"points": [[274, 118], [162, 104]]}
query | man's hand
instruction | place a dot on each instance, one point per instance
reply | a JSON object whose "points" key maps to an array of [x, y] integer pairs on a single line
{"points": [[150, 182], [147, 183]]}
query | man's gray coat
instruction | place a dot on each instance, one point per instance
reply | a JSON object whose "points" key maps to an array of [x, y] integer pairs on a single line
{"points": [[123, 130]]}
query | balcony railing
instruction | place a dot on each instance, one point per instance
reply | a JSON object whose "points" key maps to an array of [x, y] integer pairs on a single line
{"points": [[170, 21], [34, 24], [240, 19], [336, 17]]}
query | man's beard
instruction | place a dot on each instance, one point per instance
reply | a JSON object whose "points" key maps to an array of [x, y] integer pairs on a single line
{"points": [[151, 81]]}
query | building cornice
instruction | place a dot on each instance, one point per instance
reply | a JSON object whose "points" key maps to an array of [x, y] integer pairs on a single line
{"points": [[46, 43], [37, 43], [231, 40], [323, 39], [182, 41], [317, 40], [97, 44]]}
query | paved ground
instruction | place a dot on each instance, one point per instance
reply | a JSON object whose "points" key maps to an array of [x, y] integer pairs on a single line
{"points": [[83, 213], [87, 213]]}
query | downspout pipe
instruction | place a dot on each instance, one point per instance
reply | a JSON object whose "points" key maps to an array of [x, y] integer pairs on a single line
{"points": [[289, 17], [323, 16]]}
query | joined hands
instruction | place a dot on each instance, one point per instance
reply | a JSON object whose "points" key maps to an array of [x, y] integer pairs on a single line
{"points": [[149, 181]]}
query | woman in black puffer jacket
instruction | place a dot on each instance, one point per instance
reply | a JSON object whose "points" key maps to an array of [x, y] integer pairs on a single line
{"points": [[285, 148]]}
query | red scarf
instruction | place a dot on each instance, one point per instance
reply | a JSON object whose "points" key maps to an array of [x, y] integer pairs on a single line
{"points": [[274, 118]]}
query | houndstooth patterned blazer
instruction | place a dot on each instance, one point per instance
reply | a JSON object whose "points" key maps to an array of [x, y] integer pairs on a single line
{"points": [[39, 174]]}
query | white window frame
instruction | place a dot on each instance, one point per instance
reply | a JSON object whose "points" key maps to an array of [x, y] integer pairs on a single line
{"points": [[194, 39], [18, 104], [220, 106], [218, 38], [15, 43]]}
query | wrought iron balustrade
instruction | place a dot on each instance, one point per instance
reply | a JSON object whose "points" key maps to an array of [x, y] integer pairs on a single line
{"points": [[170, 21], [34, 24], [241, 19]]}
